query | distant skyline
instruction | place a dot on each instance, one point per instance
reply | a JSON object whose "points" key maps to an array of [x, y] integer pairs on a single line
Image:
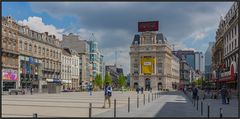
{"points": [[187, 25]]}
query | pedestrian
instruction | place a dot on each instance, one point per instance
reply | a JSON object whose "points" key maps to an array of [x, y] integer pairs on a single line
{"points": [[228, 95], [137, 89], [31, 90], [223, 92], [142, 90], [90, 88], [107, 94], [195, 93]]}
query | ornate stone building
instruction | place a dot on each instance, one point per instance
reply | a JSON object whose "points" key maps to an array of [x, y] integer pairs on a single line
{"points": [[150, 61], [10, 54]]}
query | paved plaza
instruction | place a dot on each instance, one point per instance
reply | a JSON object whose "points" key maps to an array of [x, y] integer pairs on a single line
{"points": [[76, 104]]}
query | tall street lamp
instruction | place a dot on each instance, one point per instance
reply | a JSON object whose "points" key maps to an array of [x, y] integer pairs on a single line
{"points": [[238, 76]]}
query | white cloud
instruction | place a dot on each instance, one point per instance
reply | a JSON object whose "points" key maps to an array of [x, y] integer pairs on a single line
{"points": [[36, 23]]}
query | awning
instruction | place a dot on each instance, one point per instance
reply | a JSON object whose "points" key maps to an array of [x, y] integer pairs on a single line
{"points": [[53, 80], [66, 81]]}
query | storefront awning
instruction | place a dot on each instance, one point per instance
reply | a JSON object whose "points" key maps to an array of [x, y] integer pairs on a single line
{"points": [[53, 80]]}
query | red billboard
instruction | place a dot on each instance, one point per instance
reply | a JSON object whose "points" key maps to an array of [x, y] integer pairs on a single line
{"points": [[148, 26]]}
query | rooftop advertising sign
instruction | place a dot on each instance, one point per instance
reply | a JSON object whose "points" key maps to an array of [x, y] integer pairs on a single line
{"points": [[148, 26]]}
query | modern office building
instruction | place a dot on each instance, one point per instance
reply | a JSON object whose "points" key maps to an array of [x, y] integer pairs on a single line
{"points": [[199, 62], [208, 61], [189, 56]]}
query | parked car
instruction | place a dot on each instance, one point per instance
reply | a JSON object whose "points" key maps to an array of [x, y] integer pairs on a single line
{"points": [[16, 91]]}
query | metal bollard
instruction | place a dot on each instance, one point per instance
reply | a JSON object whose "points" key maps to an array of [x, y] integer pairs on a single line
{"points": [[114, 108], [197, 103], [143, 99], [90, 110], [201, 108], [152, 96], [148, 98], [208, 111], [128, 104], [221, 111], [137, 101], [35, 115]]}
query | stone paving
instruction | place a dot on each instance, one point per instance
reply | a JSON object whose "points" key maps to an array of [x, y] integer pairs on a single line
{"points": [[76, 104]]}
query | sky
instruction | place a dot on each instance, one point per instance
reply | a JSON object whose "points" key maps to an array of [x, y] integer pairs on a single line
{"points": [[187, 25]]}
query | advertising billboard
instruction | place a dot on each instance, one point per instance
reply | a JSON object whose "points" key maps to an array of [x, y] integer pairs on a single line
{"points": [[148, 26], [9, 74], [147, 65]]}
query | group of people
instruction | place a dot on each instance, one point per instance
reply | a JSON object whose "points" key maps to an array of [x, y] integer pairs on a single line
{"points": [[225, 94], [138, 89]]}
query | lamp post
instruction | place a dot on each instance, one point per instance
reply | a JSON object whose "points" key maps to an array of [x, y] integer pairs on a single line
{"points": [[238, 76]]}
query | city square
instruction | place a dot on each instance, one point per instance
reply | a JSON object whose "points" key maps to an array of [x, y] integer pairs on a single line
{"points": [[120, 59]]}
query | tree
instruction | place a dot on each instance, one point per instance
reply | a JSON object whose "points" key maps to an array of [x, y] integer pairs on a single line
{"points": [[98, 81], [121, 81], [107, 78]]}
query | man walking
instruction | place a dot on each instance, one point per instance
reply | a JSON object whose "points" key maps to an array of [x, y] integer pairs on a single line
{"points": [[90, 88], [107, 94], [224, 94]]}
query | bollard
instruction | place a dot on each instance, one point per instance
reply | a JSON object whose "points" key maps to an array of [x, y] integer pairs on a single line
{"points": [[155, 96], [90, 110], [152, 96], [114, 108], [128, 104], [221, 111], [208, 114], [201, 108], [148, 97], [143, 99], [35, 115], [137, 101], [197, 103]]}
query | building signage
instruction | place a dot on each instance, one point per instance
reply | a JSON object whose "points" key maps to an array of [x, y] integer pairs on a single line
{"points": [[9, 74], [148, 26], [147, 65]]}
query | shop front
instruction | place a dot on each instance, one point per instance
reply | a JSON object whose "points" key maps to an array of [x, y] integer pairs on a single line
{"points": [[227, 78], [9, 78]]}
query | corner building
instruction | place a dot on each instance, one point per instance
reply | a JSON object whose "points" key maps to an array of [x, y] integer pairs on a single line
{"points": [[151, 61]]}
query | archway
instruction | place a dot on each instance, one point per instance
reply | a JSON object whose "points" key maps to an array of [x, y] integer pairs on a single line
{"points": [[159, 85], [147, 84]]}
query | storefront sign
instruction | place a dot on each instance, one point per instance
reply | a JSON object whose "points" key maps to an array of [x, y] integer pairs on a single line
{"points": [[9, 74]]}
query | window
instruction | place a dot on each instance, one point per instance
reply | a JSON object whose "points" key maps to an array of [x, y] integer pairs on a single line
{"points": [[4, 42], [50, 53], [25, 46], [35, 49], [39, 50], [43, 52], [14, 44], [9, 43], [30, 47], [47, 52], [20, 45]]}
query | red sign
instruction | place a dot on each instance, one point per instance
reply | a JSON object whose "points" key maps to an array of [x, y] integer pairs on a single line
{"points": [[148, 26]]}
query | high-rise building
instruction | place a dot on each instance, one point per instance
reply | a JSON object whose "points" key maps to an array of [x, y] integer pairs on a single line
{"points": [[150, 59], [189, 56], [199, 62], [208, 61]]}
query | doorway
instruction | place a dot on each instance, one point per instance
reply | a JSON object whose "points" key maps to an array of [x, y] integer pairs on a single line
{"points": [[147, 84]]}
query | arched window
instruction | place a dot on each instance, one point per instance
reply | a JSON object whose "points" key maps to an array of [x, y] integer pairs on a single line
{"points": [[30, 47]]}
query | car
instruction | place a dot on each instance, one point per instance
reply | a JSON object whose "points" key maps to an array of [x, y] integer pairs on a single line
{"points": [[16, 91]]}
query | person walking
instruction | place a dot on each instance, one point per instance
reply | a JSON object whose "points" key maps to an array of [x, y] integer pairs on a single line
{"points": [[228, 95], [90, 88], [223, 92], [142, 90], [195, 93], [107, 94]]}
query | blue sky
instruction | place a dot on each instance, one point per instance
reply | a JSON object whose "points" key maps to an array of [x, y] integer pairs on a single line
{"points": [[186, 25]]}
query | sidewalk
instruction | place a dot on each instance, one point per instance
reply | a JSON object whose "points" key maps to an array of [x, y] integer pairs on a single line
{"points": [[171, 104], [229, 110]]}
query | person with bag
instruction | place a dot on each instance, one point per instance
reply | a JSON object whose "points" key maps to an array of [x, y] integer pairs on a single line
{"points": [[107, 94]]}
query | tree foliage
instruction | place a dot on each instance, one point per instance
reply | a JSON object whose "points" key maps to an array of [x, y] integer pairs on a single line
{"points": [[98, 81], [121, 81], [107, 78]]}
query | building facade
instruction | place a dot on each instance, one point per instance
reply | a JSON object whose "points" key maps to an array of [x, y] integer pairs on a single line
{"points": [[199, 62], [150, 61], [66, 69], [175, 71], [226, 73], [82, 47], [208, 61], [10, 54]]}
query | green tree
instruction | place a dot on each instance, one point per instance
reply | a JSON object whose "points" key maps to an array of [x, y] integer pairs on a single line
{"points": [[121, 81], [107, 78], [98, 81]]}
